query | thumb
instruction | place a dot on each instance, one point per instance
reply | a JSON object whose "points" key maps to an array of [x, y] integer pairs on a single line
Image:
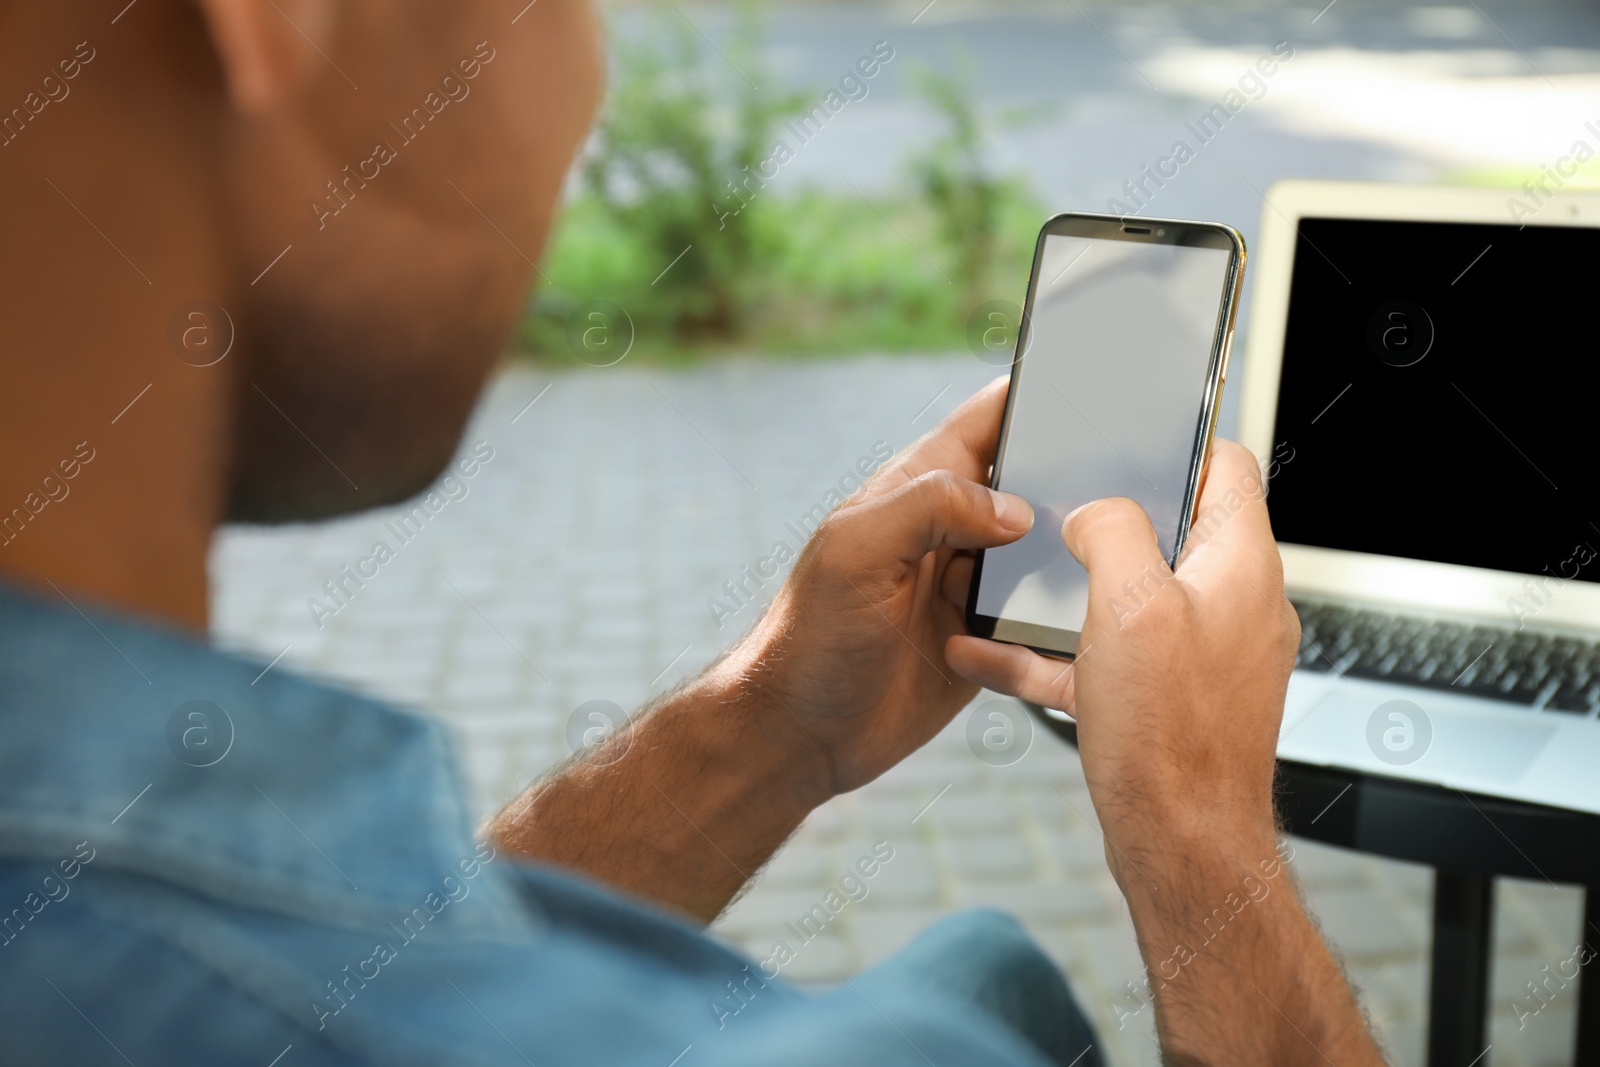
{"points": [[1114, 540], [939, 509]]}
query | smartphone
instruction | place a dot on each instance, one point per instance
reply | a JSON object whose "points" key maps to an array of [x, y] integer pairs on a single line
{"points": [[1121, 352]]}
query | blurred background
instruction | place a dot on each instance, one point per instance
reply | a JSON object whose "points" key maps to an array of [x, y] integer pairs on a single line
{"points": [[773, 263]]}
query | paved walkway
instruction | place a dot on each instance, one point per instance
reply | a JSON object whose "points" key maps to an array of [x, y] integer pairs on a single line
{"points": [[576, 566]]}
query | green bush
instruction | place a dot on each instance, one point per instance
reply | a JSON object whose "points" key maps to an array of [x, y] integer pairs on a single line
{"points": [[954, 178], [804, 270]]}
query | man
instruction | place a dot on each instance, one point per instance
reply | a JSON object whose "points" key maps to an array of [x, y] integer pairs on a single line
{"points": [[343, 201]]}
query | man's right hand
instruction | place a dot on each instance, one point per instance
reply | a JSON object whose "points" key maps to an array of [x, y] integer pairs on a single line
{"points": [[1179, 684], [1178, 690]]}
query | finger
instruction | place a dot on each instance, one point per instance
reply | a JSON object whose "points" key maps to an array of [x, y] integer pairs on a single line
{"points": [[964, 442], [1113, 538], [938, 509], [1231, 528], [1013, 671], [957, 580]]}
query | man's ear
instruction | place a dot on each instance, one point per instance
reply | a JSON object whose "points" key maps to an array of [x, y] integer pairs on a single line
{"points": [[268, 48]]}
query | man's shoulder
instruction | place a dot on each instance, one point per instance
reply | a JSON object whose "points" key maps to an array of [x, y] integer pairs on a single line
{"points": [[178, 762]]}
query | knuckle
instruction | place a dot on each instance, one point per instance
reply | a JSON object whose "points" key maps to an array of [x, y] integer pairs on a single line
{"points": [[825, 538], [939, 480], [944, 488], [1172, 614], [1292, 629]]}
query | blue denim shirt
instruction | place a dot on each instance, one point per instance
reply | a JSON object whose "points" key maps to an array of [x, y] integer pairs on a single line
{"points": [[200, 865]]}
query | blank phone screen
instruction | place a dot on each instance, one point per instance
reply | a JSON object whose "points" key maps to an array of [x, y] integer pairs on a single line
{"points": [[1108, 402]]}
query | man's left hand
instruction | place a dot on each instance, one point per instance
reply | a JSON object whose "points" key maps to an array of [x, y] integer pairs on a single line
{"points": [[850, 656]]}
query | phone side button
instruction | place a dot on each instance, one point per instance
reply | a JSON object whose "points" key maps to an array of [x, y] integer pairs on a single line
{"points": [[1227, 356]]}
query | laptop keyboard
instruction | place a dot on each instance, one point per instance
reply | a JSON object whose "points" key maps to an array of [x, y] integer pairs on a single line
{"points": [[1545, 671]]}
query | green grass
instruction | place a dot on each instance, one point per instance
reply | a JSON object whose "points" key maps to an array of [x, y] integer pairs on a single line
{"points": [[1585, 176], [831, 277]]}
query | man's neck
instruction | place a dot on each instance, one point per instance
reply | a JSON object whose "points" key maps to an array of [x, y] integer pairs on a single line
{"points": [[113, 454]]}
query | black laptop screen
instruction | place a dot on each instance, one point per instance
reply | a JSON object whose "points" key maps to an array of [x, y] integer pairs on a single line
{"points": [[1438, 397]]}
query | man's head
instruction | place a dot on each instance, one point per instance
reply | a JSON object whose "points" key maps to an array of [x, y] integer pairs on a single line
{"points": [[361, 187], [416, 168]]}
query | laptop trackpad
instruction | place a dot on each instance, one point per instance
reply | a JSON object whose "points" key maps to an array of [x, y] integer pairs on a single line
{"points": [[1422, 737]]}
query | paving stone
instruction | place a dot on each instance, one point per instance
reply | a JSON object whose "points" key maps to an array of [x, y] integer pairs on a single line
{"points": [[604, 632], [1552, 991], [1518, 928], [827, 959], [911, 878], [830, 820], [1078, 852], [928, 772], [971, 814], [1404, 1040], [990, 859], [488, 688], [1116, 955], [1319, 866], [1036, 901], [768, 909], [1399, 984], [1363, 923], [798, 864], [1062, 807], [1544, 1040], [1553, 915], [880, 932], [1048, 756], [889, 812], [1414, 881]]}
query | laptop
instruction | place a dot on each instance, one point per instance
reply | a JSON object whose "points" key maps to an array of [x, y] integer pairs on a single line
{"points": [[1423, 388]]}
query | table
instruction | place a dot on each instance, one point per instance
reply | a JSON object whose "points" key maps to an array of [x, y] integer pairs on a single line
{"points": [[1469, 840]]}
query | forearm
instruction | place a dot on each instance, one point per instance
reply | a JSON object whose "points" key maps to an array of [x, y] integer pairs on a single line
{"points": [[1237, 971], [683, 807]]}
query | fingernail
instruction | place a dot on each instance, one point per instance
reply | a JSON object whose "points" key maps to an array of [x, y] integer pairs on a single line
{"points": [[1013, 512]]}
